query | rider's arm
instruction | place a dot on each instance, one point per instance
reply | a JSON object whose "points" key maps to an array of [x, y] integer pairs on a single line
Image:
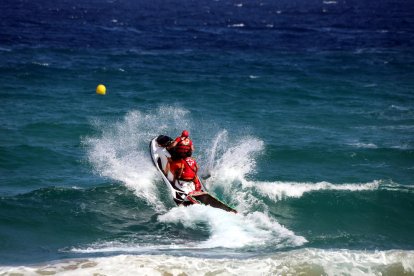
{"points": [[173, 144], [197, 184]]}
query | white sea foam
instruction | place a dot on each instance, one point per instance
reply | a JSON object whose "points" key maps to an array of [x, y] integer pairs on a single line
{"points": [[278, 190], [132, 247], [296, 262], [111, 247], [238, 25], [364, 145], [237, 161], [41, 63], [213, 150], [370, 85], [233, 230], [233, 164], [399, 108]]}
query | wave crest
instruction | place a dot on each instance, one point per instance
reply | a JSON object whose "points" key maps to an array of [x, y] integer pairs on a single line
{"points": [[279, 190]]}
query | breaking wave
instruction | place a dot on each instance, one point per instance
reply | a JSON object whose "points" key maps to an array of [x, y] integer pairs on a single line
{"points": [[296, 262]]}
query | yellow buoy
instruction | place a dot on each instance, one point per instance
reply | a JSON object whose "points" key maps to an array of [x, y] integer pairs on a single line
{"points": [[101, 89]]}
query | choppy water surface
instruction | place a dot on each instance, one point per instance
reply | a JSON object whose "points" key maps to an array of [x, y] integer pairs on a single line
{"points": [[301, 112]]}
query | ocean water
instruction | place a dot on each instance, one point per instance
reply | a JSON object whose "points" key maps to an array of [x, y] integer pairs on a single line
{"points": [[302, 112]]}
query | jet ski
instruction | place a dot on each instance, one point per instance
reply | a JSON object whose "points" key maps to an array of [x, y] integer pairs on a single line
{"points": [[181, 191]]}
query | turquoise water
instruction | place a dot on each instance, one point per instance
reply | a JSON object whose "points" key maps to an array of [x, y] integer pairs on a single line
{"points": [[307, 130]]}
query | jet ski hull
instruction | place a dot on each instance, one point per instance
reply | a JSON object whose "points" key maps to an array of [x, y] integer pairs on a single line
{"points": [[182, 192]]}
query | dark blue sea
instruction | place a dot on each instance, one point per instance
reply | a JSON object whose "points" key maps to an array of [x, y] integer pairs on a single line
{"points": [[301, 111]]}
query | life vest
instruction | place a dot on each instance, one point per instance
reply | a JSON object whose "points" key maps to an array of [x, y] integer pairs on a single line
{"points": [[190, 169], [183, 147]]}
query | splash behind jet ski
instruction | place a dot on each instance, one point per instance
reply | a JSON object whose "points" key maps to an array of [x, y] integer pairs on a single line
{"points": [[181, 191]]}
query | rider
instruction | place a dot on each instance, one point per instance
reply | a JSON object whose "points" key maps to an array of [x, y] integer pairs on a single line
{"points": [[182, 146], [186, 169]]}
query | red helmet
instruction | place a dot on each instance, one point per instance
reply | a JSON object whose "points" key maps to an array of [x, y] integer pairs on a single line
{"points": [[184, 133]]}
